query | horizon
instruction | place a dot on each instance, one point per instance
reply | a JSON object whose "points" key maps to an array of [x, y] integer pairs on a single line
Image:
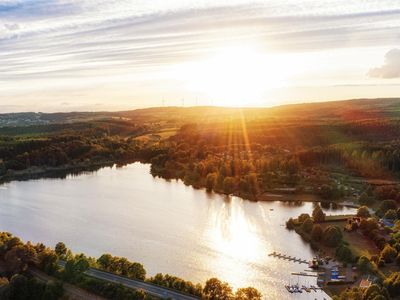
{"points": [[97, 56], [201, 106]]}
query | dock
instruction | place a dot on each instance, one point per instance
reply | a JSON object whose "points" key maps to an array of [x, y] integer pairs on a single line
{"points": [[304, 274], [288, 257], [297, 289]]}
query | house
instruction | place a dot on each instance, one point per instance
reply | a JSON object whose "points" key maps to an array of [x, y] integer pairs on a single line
{"points": [[365, 283]]}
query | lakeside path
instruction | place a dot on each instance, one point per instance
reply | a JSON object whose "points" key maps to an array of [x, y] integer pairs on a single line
{"points": [[152, 289]]}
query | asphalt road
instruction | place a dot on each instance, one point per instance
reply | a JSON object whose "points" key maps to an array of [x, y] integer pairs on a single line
{"points": [[73, 292], [151, 289]]}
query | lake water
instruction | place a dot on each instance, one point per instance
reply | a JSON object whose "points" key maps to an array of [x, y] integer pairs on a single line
{"points": [[167, 226]]}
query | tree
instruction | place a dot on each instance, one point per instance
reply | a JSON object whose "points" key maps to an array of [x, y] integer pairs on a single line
{"points": [[364, 264], [229, 185], [363, 212], [307, 225], [385, 206], [211, 181], [53, 290], [60, 249], [375, 292], [317, 214], [19, 287], [75, 267], [217, 290], [248, 293], [332, 236], [48, 261], [369, 224], [344, 253], [392, 283], [391, 214], [290, 224], [105, 261], [388, 254], [316, 233], [137, 271], [303, 217]]}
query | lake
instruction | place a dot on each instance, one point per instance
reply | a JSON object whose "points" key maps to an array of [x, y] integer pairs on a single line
{"points": [[165, 225]]}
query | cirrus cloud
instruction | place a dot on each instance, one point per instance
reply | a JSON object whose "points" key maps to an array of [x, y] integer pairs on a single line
{"points": [[391, 67]]}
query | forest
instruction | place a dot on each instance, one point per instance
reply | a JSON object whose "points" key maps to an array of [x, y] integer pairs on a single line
{"points": [[247, 152]]}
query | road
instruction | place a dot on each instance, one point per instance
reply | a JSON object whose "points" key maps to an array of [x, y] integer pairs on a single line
{"points": [[72, 291], [149, 288]]}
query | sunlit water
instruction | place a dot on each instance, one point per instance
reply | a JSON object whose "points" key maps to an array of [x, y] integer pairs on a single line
{"points": [[167, 226]]}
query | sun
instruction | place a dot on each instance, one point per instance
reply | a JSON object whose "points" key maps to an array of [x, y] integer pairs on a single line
{"points": [[234, 76]]}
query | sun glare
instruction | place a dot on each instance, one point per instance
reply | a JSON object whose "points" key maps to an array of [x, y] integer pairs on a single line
{"points": [[234, 76]]}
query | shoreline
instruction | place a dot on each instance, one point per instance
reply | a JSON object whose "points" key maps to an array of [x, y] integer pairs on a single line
{"points": [[62, 172]]}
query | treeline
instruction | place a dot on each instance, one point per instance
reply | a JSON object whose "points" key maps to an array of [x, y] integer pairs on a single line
{"points": [[232, 162], [17, 282], [230, 156]]}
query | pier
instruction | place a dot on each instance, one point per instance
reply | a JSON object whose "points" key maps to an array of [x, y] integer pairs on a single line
{"points": [[297, 289], [304, 274], [288, 257]]}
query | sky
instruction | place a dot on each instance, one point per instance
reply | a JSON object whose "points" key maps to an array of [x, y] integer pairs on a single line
{"points": [[68, 55]]}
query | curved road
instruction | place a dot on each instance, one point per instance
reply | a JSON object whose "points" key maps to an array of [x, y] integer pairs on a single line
{"points": [[152, 289]]}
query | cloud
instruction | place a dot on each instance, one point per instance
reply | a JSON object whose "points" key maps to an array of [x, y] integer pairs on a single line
{"points": [[64, 43], [12, 26], [391, 68]]}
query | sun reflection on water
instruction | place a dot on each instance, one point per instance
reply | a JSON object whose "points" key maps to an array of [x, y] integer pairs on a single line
{"points": [[236, 240], [233, 234]]}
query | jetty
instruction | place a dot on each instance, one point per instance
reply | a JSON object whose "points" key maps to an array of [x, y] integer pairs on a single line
{"points": [[295, 288], [288, 257], [304, 274]]}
